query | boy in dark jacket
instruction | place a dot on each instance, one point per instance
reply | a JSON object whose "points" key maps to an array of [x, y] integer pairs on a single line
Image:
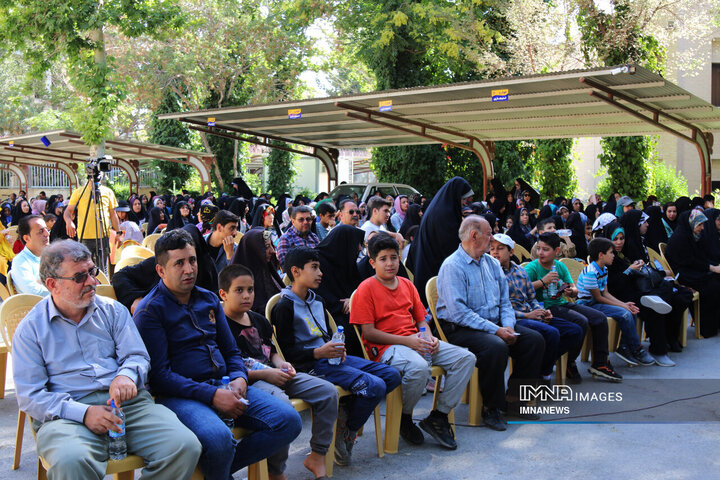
{"points": [[269, 372], [305, 338]]}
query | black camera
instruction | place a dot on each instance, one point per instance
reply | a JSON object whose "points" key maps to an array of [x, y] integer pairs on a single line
{"points": [[96, 165]]}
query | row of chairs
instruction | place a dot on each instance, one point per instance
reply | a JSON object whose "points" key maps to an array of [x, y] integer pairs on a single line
{"points": [[12, 312]]}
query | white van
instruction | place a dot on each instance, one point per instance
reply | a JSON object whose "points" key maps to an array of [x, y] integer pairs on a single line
{"points": [[367, 190]]}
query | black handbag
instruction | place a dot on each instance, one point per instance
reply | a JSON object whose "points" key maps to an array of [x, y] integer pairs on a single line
{"points": [[648, 279]]}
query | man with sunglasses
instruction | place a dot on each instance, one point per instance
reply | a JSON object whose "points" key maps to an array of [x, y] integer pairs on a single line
{"points": [[73, 353], [299, 234], [349, 213], [191, 349]]}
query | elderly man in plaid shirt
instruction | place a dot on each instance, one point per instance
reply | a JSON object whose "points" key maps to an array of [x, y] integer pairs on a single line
{"points": [[299, 234], [560, 335]]}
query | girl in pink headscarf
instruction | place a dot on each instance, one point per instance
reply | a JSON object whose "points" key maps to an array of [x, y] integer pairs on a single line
{"points": [[401, 206]]}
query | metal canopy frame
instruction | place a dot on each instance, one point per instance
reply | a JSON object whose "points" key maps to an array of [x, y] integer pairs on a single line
{"points": [[621, 100], [703, 141], [327, 156], [67, 151], [485, 151]]}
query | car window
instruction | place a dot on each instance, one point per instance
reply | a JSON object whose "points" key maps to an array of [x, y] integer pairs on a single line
{"points": [[348, 190], [405, 191]]}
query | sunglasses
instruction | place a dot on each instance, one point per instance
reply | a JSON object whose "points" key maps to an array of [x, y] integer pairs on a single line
{"points": [[81, 277], [353, 212]]}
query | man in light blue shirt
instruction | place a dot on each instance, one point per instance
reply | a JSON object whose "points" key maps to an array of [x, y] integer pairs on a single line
{"points": [[73, 353], [25, 271], [475, 312]]}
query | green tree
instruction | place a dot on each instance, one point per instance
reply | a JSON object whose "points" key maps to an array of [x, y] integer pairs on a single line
{"points": [[281, 170], [228, 54], [552, 164], [626, 159], [409, 44], [614, 38], [513, 159], [173, 134], [73, 32]]}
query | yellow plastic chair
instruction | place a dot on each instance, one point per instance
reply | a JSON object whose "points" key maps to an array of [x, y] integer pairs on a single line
{"points": [[10, 285], [521, 253], [143, 228], [126, 262], [411, 276], [136, 251], [106, 291], [575, 269], [12, 311], [237, 238], [472, 394], [4, 292], [102, 278], [341, 391], [393, 401], [149, 241]]}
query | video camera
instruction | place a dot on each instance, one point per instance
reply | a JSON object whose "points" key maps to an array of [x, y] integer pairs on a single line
{"points": [[94, 166]]}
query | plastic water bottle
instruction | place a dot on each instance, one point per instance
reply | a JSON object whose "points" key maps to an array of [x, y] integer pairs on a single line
{"points": [[230, 422], [252, 364], [117, 449], [426, 354], [338, 337], [552, 286]]}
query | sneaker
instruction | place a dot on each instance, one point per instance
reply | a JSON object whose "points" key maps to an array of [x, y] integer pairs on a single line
{"points": [[656, 303], [342, 456], [409, 431], [513, 410], [438, 427], [606, 371], [623, 351], [344, 442], [642, 357], [663, 360], [572, 375], [493, 419]]}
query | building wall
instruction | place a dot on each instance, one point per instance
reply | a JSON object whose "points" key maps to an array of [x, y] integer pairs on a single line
{"points": [[671, 150]]}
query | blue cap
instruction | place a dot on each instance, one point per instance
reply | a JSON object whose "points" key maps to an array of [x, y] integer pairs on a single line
{"points": [[226, 380], [340, 329], [112, 403]]}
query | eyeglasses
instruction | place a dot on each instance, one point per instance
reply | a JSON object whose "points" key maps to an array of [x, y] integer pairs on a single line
{"points": [[304, 219], [81, 277]]}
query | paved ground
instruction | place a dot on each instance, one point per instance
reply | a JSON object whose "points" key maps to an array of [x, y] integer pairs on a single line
{"points": [[678, 440]]}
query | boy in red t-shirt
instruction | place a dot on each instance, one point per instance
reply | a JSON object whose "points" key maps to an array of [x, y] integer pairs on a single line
{"points": [[391, 315]]}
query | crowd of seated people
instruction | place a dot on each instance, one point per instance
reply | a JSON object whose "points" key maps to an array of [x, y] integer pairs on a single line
{"points": [[195, 312]]}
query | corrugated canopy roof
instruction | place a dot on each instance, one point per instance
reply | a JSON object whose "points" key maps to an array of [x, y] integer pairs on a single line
{"points": [[69, 146], [541, 106]]}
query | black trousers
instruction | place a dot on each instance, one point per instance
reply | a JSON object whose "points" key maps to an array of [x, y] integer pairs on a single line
{"points": [[709, 288], [586, 317], [492, 355]]}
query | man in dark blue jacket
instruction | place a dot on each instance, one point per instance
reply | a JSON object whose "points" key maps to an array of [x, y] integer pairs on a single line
{"points": [[191, 348]]}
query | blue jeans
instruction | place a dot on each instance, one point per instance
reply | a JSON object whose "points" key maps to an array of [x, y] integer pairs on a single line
{"points": [[560, 336], [274, 423], [369, 382], [626, 322]]}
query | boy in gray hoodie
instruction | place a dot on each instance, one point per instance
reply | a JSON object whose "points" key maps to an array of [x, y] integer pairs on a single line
{"points": [[304, 336]]}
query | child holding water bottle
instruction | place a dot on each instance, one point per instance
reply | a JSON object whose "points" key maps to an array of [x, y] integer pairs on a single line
{"points": [[304, 337], [395, 332], [269, 372]]}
